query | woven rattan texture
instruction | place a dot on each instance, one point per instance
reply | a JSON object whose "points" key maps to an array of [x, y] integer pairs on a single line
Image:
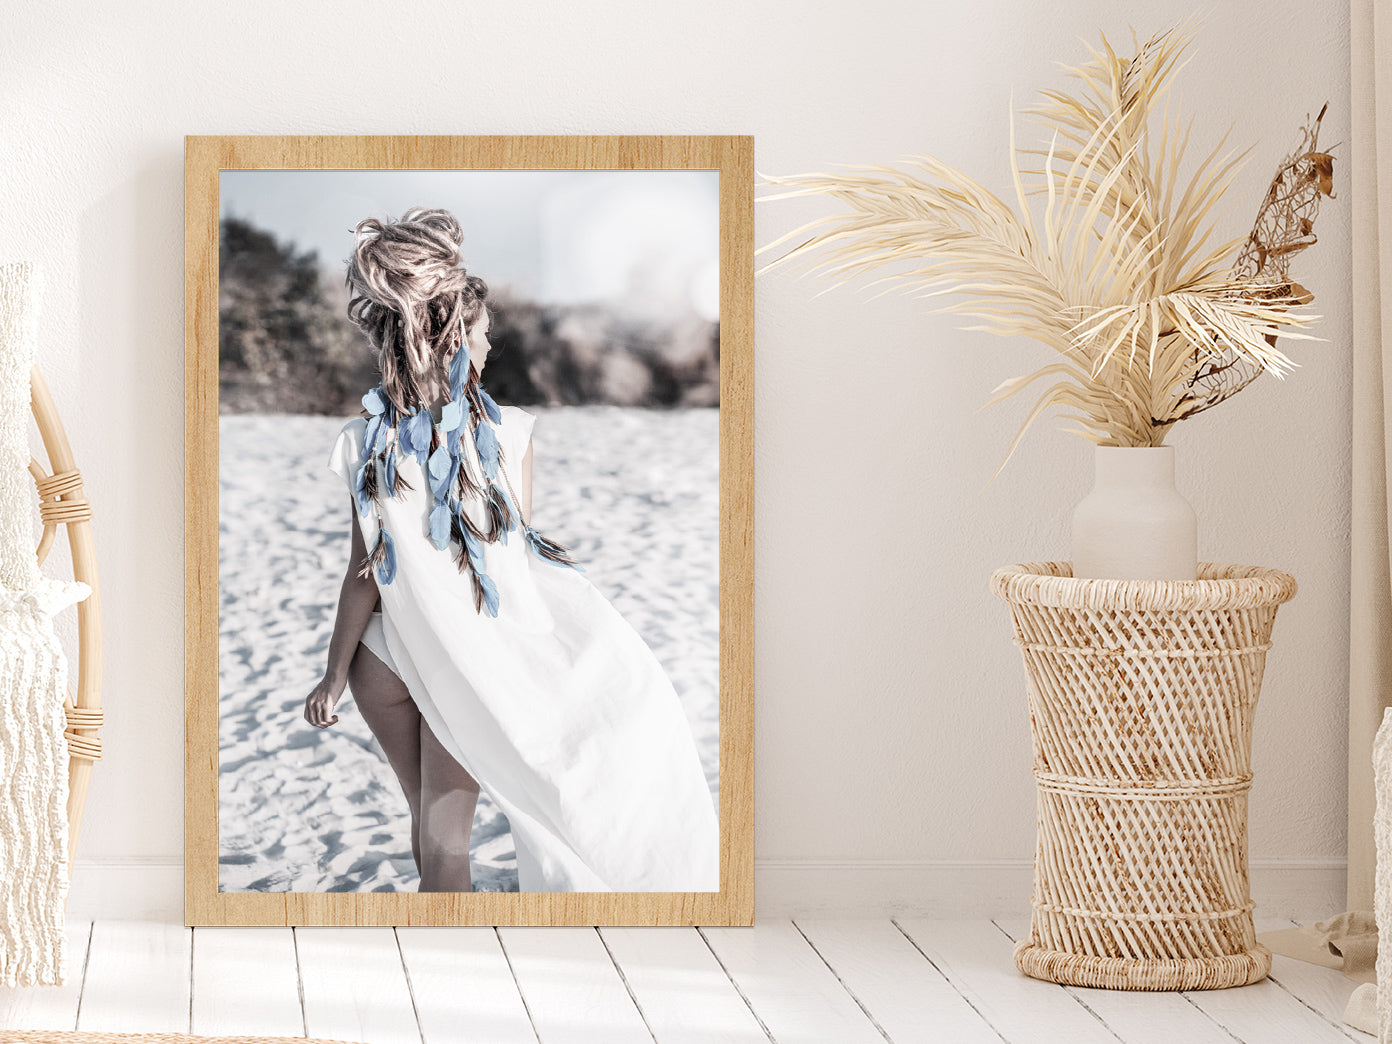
{"points": [[1141, 698]]}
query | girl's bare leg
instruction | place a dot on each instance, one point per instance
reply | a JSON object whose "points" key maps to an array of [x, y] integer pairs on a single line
{"points": [[449, 795], [386, 705]]}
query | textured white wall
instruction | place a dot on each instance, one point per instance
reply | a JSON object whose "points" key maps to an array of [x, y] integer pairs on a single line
{"points": [[893, 749]]}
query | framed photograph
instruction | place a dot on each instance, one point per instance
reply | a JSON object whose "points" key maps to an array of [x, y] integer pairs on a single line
{"points": [[468, 521]]}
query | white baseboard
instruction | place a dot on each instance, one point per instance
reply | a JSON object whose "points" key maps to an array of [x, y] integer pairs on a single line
{"points": [[1302, 890], [135, 889], [127, 890], [1296, 889], [886, 888]]}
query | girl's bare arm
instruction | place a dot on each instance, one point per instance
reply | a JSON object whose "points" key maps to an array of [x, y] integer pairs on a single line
{"points": [[356, 600]]}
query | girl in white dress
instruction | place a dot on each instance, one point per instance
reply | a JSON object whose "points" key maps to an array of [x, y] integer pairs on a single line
{"points": [[476, 651]]}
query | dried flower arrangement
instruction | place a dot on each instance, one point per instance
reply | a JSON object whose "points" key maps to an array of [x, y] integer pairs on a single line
{"points": [[1155, 325]]}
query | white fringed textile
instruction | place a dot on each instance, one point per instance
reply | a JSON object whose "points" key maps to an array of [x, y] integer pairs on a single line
{"points": [[1382, 881], [33, 680]]}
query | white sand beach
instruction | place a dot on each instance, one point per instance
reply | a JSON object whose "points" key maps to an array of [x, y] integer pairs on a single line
{"points": [[634, 492]]}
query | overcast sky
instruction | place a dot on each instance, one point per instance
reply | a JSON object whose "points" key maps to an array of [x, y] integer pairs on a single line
{"points": [[648, 241]]}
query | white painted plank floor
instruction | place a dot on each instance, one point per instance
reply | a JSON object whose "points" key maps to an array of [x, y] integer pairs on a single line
{"points": [[814, 980]]}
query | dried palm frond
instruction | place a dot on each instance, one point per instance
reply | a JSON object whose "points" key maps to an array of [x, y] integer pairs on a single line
{"points": [[1118, 274]]}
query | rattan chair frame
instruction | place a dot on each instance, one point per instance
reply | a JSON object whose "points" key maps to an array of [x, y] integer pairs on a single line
{"points": [[63, 502]]}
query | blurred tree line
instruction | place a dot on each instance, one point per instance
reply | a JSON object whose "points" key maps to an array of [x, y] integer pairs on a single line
{"points": [[285, 344]]}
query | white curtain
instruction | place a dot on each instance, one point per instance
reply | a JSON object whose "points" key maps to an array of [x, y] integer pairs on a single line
{"points": [[1370, 660]]}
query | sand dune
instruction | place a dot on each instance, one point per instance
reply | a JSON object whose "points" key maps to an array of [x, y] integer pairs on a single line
{"points": [[634, 492]]}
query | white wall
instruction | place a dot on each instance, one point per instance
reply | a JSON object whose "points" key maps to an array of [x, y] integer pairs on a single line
{"points": [[893, 756]]}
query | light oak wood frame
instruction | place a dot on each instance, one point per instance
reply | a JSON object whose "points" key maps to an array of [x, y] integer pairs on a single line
{"points": [[733, 157]]}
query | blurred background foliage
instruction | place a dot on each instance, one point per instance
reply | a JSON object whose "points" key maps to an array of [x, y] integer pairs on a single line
{"points": [[285, 344]]}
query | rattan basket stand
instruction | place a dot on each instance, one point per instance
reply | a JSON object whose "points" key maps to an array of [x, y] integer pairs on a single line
{"points": [[1141, 696]]}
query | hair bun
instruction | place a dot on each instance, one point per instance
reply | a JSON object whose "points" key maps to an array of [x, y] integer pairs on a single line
{"points": [[402, 264], [408, 289]]}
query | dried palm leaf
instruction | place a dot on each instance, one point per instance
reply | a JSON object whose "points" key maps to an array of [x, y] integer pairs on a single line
{"points": [[1119, 273]]}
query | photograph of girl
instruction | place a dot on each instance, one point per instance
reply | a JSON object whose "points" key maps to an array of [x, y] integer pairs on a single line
{"points": [[497, 647]]}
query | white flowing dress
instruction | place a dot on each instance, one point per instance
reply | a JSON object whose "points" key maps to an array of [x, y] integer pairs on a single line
{"points": [[556, 706]]}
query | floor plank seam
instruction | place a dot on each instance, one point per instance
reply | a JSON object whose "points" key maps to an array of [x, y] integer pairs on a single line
{"points": [[1088, 1008], [410, 987], [517, 984], [864, 1010], [192, 942], [299, 980], [1211, 1018], [948, 979], [1340, 1026], [624, 979], [82, 986], [1067, 989], [738, 989], [997, 927]]}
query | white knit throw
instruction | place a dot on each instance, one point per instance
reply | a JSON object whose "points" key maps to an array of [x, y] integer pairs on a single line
{"points": [[33, 680]]}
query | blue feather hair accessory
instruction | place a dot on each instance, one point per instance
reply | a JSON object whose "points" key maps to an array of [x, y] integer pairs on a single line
{"points": [[455, 478]]}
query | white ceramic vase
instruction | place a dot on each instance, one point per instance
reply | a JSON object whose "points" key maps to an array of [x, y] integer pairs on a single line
{"points": [[1134, 525]]}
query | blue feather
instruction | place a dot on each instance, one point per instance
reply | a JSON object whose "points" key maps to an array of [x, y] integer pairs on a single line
{"points": [[403, 436], [452, 416], [390, 468], [536, 542], [424, 426], [513, 516], [375, 402], [512, 508], [440, 526], [415, 433], [386, 569], [419, 426], [440, 465], [374, 426], [486, 442], [490, 594], [359, 489], [459, 372], [473, 549], [490, 407]]}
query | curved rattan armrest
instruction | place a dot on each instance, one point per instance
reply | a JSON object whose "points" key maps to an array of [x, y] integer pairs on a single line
{"points": [[62, 502]]}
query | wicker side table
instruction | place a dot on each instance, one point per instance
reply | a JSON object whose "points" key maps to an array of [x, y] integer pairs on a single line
{"points": [[1141, 696]]}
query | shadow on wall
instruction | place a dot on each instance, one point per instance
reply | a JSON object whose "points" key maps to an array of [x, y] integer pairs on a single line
{"points": [[285, 344]]}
